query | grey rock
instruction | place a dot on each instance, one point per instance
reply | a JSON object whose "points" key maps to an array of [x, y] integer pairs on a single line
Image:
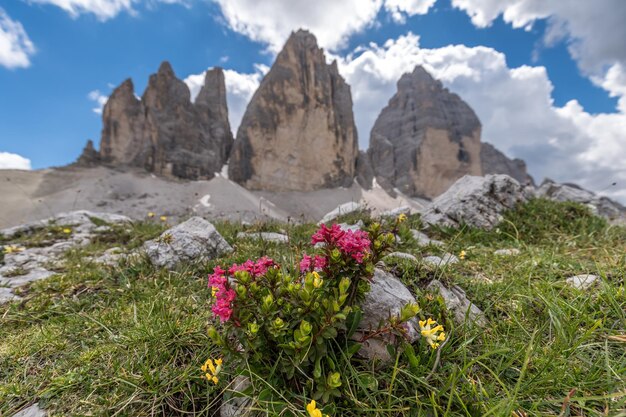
{"points": [[353, 227], [364, 171], [406, 210], [475, 201], [6, 295], [298, 131], [425, 139], [346, 208], [193, 240], [457, 302], [237, 405], [601, 206], [495, 162], [423, 240], [89, 157], [111, 257], [402, 255], [264, 236], [582, 282], [385, 299], [164, 132], [507, 252], [436, 261], [32, 411]]}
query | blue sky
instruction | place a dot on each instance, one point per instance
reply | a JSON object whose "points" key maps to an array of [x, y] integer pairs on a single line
{"points": [[545, 80]]}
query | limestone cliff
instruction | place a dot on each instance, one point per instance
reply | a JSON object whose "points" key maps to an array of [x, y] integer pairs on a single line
{"points": [[298, 130], [425, 139], [495, 162], [164, 132]]}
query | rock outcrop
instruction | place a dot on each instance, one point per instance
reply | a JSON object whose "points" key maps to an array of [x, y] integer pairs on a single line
{"points": [[89, 157], [298, 131], [475, 201], [495, 162], [425, 139], [164, 132], [601, 206]]}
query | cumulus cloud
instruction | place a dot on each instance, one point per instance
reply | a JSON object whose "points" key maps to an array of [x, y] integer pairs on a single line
{"points": [[13, 161], [514, 105], [99, 98], [239, 90], [104, 9], [332, 22], [16, 47]]}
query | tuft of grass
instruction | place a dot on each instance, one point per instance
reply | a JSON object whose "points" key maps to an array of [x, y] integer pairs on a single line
{"points": [[129, 341]]}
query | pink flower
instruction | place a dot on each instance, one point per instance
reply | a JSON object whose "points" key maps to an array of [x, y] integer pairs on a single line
{"points": [[318, 263], [256, 269], [355, 244]]}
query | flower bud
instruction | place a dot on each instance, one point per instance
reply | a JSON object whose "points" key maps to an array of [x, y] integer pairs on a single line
{"points": [[334, 380]]}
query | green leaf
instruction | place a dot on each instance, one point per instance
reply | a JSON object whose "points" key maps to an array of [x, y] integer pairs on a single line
{"points": [[354, 319]]}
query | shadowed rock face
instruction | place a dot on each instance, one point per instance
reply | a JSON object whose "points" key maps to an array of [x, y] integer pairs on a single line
{"points": [[164, 132], [425, 139], [298, 130], [495, 162]]}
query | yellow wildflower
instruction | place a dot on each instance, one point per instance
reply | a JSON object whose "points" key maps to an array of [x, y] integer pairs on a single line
{"points": [[313, 411], [214, 291], [433, 335], [163, 218], [151, 214], [211, 369], [13, 249], [67, 231], [401, 218], [462, 255], [317, 280]]}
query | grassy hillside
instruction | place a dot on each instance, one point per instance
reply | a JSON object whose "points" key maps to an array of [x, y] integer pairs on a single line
{"points": [[130, 340]]}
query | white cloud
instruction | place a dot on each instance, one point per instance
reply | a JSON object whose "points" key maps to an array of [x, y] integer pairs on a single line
{"points": [[332, 21], [15, 45], [239, 90], [513, 104], [13, 161], [399, 9], [99, 98], [104, 9]]}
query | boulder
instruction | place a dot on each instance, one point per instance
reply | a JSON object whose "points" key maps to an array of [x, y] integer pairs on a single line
{"points": [[193, 241], [235, 404], [364, 171], [402, 255], [425, 139], [475, 201], [385, 299], [298, 131], [439, 262], [495, 162], [601, 206], [423, 240], [264, 236], [346, 208], [164, 132], [457, 302]]}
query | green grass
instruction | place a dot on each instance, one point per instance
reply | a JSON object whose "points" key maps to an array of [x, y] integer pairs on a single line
{"points": [[129, 341]]}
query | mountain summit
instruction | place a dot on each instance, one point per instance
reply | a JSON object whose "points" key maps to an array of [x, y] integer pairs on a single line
{"points": [[298, 130]]}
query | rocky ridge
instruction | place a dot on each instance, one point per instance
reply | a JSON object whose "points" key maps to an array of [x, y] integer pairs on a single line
{"points": [[164, 132], [298, 131]]}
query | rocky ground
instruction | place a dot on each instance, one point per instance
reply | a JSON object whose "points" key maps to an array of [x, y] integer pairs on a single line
{"points": [[34, 195], [102, 314]]}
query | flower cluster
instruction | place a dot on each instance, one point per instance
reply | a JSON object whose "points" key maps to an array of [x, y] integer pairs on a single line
{"points": [[211, 369], [256, 269], [433, 335], [355, 244], [317, 263], [224, 295]]}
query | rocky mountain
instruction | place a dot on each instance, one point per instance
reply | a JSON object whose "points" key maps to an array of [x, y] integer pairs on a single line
{"points": [[495, 162], [298, 131], [425, 139], [164, 132]]}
